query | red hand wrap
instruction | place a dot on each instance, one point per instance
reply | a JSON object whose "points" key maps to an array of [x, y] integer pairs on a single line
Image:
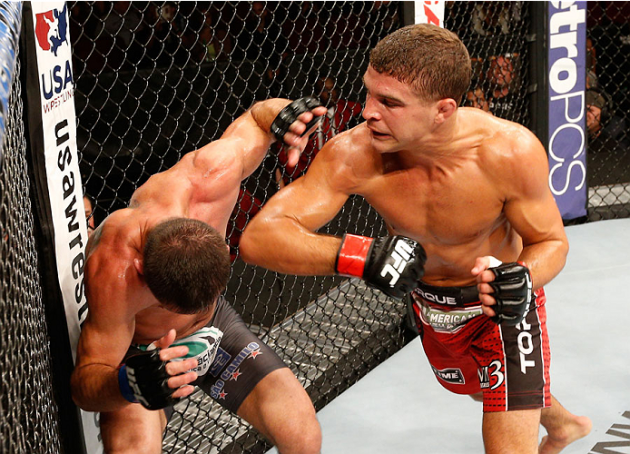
{"points": [[352, 255]]}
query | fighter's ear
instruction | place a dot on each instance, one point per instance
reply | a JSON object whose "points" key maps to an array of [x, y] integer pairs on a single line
{"points": [[445, 108], [139, 265]]}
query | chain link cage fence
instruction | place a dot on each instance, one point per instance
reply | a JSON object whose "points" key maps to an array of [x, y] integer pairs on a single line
{"points": [[29, 421], [496, 35], [608, 103], [156, 80]]}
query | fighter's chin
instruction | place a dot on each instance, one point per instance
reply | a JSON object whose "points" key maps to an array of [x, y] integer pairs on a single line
{"points": [[384, 144], [376, 135]]}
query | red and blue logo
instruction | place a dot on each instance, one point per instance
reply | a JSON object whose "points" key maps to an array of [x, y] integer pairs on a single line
{"points": [[51, 29], [51, 32]]}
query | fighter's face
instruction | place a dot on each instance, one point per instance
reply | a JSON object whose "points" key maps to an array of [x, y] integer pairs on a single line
{"points": [[88, 215], [476, 98], [395, 115], [501, 71], [593, 118]]}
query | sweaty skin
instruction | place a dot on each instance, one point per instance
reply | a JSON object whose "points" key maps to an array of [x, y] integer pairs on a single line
{"points": [[203, 185], [464, 184]]}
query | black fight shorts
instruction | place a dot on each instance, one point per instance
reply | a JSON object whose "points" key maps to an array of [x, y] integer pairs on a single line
{"points": [[241, 361]]}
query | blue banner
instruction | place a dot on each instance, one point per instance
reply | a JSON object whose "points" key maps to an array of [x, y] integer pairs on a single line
{"points": [[567, 119], [10, 21]]}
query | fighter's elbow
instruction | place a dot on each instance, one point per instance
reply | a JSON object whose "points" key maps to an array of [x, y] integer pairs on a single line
{"points": [[76, 391], [81, 403], [79, 391], [565, 248], [247, 246], [563, 251]]}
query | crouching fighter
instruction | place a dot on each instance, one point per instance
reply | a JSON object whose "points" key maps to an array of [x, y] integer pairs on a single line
{"points": [[157, 323]]}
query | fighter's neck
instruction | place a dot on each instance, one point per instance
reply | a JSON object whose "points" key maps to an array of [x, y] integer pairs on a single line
{"points": [[449, 140]]}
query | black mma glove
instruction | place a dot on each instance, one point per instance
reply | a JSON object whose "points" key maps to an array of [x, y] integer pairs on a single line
{"points": [[143, 378], [512, 291], [392, 264], [290, 113]]}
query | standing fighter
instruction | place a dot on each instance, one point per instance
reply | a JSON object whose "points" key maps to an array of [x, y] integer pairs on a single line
{"points": [[468, 188], [154, 276]]}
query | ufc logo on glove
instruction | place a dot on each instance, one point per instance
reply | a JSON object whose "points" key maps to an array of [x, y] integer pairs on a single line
{"points": [[401, 256], [374, 259]]}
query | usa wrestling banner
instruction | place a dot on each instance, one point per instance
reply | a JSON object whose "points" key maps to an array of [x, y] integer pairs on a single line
{"points": [[52, 133], [567, 83]]}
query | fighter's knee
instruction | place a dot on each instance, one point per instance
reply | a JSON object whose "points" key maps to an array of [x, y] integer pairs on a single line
{"points": [[313, 440], [139, 445], [477, 397], [304, 437], [131, 437]]}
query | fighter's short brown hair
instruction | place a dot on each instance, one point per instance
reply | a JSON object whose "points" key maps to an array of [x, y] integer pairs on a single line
{"points": [[186, 264], [431, 59]]}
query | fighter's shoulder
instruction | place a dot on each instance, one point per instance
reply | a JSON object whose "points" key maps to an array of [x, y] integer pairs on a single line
{"points": [[346, 161], [222, 155], [110, 274], [350, 150], [509, 144], [513, 157], [114, 238]]}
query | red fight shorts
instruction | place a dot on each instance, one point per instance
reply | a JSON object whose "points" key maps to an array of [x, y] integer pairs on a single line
{"points": [[469, 353]]}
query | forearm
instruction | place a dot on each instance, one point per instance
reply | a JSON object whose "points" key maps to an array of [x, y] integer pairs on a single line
{"points": [[284, 246], [95, 388], [252, 132], [282, 237], [545, 260], [265, 112], [392, 264]]}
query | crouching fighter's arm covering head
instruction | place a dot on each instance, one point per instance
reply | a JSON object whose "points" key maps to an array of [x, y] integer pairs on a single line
{"points": [[249, 137], [98, 382], [185, 266]]}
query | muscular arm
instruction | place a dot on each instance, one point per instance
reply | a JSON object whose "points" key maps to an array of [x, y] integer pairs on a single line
{"points": [[532, 211], [250, 133], [105, 338], [282, 235]]}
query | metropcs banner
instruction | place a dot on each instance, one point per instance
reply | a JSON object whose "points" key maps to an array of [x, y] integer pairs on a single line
{"points": [[567, 132], [429, 12], [56, 86]]}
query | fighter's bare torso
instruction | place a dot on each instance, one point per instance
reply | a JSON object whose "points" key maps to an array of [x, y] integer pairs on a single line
{"points": [[452, 203], [198, 187]]}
